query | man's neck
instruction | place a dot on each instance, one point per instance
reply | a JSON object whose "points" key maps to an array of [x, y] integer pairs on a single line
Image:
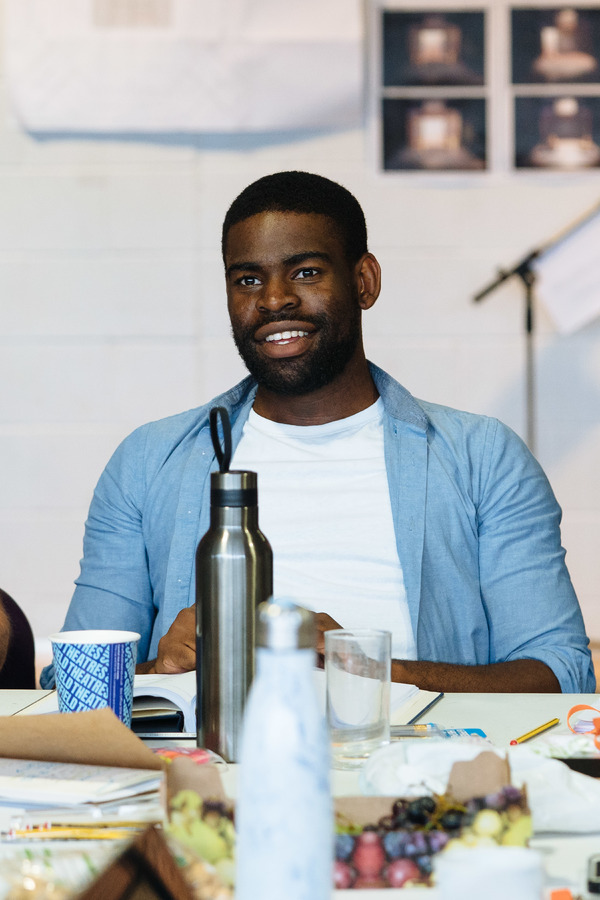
{"points": [[343, 397]]}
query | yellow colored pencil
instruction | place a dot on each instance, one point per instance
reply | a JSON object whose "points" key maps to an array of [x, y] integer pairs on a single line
{"points": [[66, 833], [536, 731]]}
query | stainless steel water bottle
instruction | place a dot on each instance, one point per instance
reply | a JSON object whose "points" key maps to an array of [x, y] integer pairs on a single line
{"points": [[234, 573]]}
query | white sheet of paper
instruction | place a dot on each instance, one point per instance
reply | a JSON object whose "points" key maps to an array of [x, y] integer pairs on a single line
{"points": [[399, 694], [568, 277], [50, 783], [184, 65]]}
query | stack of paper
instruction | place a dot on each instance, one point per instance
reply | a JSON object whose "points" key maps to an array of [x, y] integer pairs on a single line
{"points": [[40, 783]]}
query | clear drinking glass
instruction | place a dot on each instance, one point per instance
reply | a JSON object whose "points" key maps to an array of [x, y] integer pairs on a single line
{"points": [[358, 671]]}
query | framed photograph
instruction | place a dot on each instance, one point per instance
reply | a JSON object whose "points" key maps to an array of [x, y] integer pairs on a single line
{"points": [[429, 78], [558, 132], [555, 45], [472, 88], [432, 134], [433, 48]]}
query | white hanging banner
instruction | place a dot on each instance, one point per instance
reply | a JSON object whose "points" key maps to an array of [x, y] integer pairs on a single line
{"points": [[184, 65], [568, 276]]}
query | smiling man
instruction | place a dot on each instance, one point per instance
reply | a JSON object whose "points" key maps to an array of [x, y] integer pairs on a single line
{"points": [[382, 509]]}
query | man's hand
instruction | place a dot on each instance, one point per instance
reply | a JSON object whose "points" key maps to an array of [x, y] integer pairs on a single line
{"points": [[324, 623], [176, 649]]}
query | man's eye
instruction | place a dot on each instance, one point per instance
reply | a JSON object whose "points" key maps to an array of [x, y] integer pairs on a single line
{"points": [[248, 280], [306, 273]]}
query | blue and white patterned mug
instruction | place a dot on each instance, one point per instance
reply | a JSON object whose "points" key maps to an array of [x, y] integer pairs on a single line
{"points": [[95, 669]]}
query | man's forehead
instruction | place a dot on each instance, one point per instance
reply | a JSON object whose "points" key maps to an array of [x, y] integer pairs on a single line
{"points": [[279, 234]]}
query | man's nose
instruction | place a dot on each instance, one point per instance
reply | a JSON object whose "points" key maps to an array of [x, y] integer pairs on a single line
{"points": [[278, 294]]}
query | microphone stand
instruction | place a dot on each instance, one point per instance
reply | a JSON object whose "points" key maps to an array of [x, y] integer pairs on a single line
{"points": [[525, 272]]}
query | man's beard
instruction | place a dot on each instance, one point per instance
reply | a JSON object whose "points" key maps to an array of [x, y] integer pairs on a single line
{"points": [[315, 368]]}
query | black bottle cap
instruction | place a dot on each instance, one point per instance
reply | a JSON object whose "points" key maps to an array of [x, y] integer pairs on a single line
{"points": [[233, 489]]}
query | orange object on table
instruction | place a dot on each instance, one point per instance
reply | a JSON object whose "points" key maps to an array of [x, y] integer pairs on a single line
{"points": [[595, 729]]}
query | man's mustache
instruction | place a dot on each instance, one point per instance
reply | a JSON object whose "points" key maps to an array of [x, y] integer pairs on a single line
{"points": [[318, 319]]}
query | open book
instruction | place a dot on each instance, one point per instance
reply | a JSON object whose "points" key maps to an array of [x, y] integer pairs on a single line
{"points": [[167, 703], [406, 709], [160, 703], [164, 703], [160, 696]]}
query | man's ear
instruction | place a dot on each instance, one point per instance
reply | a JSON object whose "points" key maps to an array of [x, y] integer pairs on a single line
{"points": [[368, 278]]}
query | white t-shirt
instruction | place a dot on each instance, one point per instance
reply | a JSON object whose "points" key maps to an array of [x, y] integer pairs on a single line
{"points": [[324, 506]]}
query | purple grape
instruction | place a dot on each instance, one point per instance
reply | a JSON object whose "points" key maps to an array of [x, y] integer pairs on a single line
{"points": [[419, 810], [452, 819], [416, 845], [474, 805], [497, 800], [394, 843], [437, 840], [410, 849], [419, 840], [512, 794], [425, 864], [344, 845]]}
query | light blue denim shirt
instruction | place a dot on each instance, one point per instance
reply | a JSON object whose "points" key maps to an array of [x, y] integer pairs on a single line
{"points": [[477, 530]]}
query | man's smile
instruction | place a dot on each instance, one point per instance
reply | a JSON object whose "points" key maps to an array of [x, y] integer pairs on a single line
{"points": [[283, 337], [279, 340]]}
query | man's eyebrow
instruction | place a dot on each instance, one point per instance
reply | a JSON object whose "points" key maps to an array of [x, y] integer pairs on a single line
{"points": [[243, 267], [306, 255]]}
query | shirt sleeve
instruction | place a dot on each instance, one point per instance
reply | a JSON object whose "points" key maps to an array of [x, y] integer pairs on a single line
{"points": [[113, 589], [526, 590]]}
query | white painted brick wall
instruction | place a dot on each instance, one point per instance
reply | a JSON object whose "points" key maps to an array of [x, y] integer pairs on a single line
{"points": [[113, 313]]}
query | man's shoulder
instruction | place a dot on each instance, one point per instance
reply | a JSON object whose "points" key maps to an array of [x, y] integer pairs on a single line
{"points": [[446, 423], [439, 415], [401, 404], [472, 433], [161, 435]]}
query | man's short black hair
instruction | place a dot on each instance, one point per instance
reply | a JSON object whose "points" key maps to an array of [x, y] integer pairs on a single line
{"points": [[303, 192]]}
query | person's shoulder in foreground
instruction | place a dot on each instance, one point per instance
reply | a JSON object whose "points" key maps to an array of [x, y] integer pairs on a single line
{"points": [[17, 649]]}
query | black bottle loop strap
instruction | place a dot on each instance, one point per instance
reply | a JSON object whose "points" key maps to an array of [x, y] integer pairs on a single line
{"points": [[223, 453]]}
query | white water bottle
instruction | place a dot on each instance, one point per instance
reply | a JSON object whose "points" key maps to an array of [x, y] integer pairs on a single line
{"points": [[284, 816]]}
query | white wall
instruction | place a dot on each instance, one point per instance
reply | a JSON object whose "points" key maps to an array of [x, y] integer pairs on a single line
{"points": [[113, 313]]}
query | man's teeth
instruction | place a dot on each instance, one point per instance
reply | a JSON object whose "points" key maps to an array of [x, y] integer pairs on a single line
{"points": [[285, 335]]}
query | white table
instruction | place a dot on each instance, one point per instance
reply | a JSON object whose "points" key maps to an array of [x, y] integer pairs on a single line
{"points": [[503, 717], [12, 701]]}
